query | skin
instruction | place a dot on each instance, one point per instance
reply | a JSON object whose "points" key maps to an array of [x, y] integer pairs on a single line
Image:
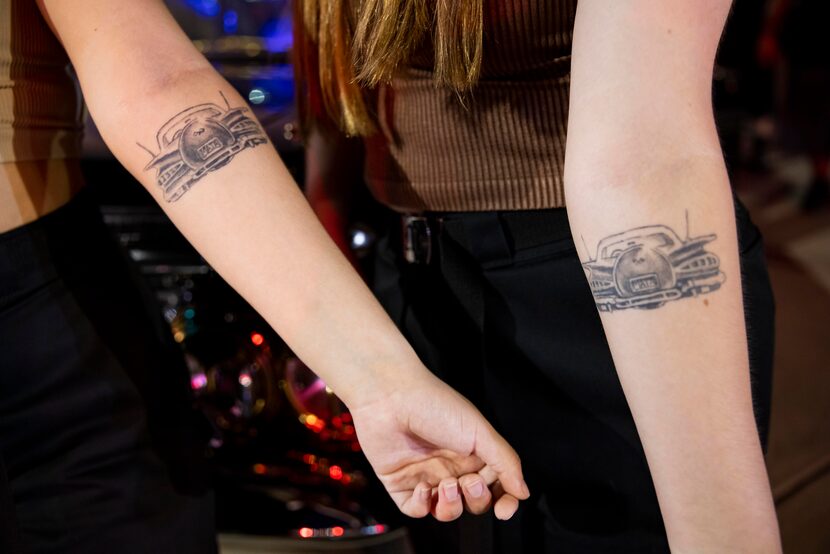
{"points": [[249, 219], [29, 190], [643, 149]]}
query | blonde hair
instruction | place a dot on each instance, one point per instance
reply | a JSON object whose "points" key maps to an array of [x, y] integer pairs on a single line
{"points": [[343, 48]]}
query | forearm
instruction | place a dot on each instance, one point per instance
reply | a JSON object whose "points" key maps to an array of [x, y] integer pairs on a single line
{"points": [[683, 363], [643, 158], [251, 222]]}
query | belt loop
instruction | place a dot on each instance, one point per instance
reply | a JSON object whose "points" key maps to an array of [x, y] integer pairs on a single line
{"points": [[487, 238]]}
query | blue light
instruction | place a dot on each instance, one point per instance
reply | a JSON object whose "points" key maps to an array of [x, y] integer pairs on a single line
{"points": [[277, 34], [205, 8], [230, 22]]}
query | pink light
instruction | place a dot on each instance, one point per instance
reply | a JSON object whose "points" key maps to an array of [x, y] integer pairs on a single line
{"points": [[198, 381], [306, 532], [337, 531], [257, 339], [245, 379], [336, 473]]}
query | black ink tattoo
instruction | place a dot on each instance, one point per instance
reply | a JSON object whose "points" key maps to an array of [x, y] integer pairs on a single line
{"points": [[199, 140], [648, 266]]}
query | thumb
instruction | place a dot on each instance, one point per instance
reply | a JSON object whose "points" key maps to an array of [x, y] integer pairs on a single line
{"points": [[501, 459]]}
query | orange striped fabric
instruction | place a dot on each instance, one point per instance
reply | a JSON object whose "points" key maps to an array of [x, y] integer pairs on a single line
{"points": [[500, 148], [40, 106]]}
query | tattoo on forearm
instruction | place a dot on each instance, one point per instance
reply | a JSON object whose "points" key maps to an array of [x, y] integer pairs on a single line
{"points": [[648, 266], [199, 140]]}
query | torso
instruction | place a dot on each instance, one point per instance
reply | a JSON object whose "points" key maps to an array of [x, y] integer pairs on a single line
{"points": [[40, 118], [32, 189], [503, 146]]}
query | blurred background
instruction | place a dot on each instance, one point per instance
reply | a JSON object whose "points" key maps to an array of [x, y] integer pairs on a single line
{"points": [[288, 470]]}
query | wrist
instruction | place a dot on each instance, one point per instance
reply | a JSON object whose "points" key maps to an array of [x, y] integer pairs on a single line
{"points": [[381, 379]]}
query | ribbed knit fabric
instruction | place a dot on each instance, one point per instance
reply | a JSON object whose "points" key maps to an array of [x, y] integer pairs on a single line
{"points": [[40, 106], [500, 148]]}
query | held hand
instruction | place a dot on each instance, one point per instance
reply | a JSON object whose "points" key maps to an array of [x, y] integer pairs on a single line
{"points": [[435, 453]]}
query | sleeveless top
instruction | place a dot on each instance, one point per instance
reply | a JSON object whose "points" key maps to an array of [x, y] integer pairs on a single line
{"points": [[503, 146], [40, 105]]}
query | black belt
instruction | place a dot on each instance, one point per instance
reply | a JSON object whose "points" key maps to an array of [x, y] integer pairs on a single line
{"points": [[524, 229]]}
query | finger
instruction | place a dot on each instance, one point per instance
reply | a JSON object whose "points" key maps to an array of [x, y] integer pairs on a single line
{"points": [[505, 505], [449, 505], [489, 475], [476, 494], [419, 503], [501, 458]]}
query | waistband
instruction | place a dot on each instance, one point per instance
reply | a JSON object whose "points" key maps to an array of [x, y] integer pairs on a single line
{"points": [[489, 236], [492, 235], [40, 251]]}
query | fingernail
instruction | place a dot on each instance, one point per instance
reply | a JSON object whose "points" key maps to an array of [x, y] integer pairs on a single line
{"points": [[451, 491], [426, 493], [525, 489], [476, 489]]}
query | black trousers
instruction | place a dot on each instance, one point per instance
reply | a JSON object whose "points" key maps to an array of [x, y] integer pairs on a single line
{"points": [[504, 314], [99, 449]]}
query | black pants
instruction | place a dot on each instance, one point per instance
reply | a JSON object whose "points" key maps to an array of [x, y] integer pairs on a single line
{"points": [[98, 450], [504, 315]]}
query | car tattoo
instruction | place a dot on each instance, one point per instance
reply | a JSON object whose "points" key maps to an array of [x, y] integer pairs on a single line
{"points": [[199, 140], [648, 266]]}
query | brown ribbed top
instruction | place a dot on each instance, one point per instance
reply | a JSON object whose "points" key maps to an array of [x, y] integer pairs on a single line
{"points": [[40, 106], [503, 148]]}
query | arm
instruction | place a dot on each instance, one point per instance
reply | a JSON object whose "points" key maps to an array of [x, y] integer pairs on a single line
{"points": [[643, 150], [144, 82]]}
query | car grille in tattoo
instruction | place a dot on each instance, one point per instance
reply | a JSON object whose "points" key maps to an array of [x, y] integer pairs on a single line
{"points": [[648, 266], [199, 140]]}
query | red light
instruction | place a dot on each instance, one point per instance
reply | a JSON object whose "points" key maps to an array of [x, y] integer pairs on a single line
{"points": [[336, 473], [379, 528], [337, 531], [257, 339], [306, 532], [346, 479], [259, 469]]}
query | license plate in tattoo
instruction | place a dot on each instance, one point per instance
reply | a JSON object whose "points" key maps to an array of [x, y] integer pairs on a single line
{"points": [[646, 282]]}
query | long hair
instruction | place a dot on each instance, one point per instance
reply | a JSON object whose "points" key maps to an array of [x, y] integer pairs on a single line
{"points": [[343, 48]]}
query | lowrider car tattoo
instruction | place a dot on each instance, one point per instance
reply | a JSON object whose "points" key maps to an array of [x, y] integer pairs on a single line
{"points": [[199, 140], [648, 266]]}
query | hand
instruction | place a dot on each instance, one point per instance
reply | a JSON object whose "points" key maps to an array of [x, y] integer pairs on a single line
{"points": [[435, 453]]}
